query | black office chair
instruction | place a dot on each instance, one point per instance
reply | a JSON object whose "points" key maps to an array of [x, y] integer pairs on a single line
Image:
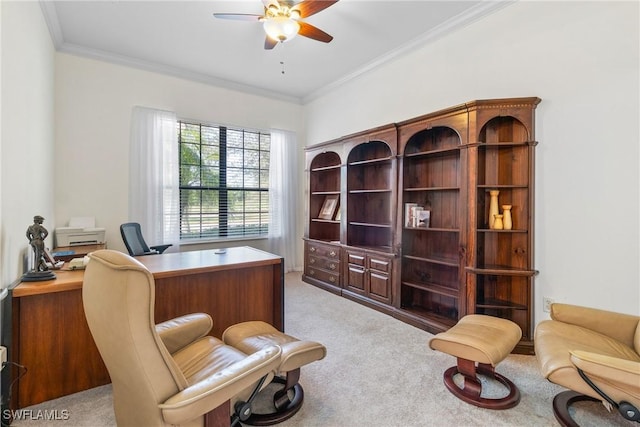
{"points": [[133, 240]]}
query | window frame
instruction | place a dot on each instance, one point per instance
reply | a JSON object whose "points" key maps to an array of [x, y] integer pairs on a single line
{"points": [[224, 233]]}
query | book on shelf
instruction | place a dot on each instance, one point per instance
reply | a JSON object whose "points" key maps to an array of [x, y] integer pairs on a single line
{"points": [[408, 219], [416, 216]]}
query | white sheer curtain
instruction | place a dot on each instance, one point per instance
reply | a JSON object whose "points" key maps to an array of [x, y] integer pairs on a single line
{"points": [[153, 175], [283, 196]]}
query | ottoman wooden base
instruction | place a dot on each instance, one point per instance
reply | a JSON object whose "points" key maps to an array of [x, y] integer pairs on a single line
{"points": [[472, 388], [250, 337], [479, 343]]}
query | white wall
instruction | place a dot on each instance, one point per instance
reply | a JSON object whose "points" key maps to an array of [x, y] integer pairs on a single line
{"points": [[93, 110], [27, 132], [581, 58]]}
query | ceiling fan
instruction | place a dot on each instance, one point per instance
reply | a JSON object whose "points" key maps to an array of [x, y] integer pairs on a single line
{"points": [[282, 20]]}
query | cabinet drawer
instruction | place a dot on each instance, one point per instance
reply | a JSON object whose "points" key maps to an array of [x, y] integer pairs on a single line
{"points": [[324, 263], [325, 276], [380, 264], [356, 259], [324, 251]]}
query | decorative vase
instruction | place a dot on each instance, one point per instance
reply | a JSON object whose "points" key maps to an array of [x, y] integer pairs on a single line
{"points": [[506, 220], [497, 222], [493, 206]]}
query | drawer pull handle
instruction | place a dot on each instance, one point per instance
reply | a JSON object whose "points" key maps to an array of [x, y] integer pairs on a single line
{"points": [[332, 266], [332, 279], [312, 272], [311, 261], [332, 253], [312, 249]]}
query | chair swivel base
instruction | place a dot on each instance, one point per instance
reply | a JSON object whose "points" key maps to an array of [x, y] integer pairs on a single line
{"points": [[563, 401], [250, 337], [472, 387], [286, 407]]}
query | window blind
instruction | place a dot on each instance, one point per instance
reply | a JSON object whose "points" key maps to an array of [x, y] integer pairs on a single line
{"points": [[224, 182]]}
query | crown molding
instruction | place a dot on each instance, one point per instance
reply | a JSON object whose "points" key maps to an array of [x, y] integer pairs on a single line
{"points": [[458, 22], [174, 72], [479, 11], [51, 18]]}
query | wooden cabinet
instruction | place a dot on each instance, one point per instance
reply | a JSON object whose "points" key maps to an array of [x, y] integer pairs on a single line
{"points": [[324, 184], [369, 275], [322, 265], [371, 189], [413, 236], [370, 239], [501, 264], [433, 179], [323, 229], [362, 229]]}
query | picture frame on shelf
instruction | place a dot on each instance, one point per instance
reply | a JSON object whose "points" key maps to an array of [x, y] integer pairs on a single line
{"points": [[423, 218], [328, 207]]}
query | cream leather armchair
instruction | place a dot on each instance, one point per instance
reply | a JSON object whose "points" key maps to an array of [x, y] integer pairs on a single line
{"points": [[595, 354], [172, 373]]}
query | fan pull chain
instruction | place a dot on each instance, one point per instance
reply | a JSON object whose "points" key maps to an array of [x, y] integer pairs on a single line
{"points": [[282, 64]]}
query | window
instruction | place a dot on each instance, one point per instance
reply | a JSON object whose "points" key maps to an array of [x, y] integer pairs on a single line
{"points": [[224, 182]]}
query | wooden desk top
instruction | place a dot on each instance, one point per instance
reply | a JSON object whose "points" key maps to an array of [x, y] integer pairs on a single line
{"points": [[161, 266]]}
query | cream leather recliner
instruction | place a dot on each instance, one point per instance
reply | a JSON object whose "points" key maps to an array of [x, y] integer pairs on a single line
{"points": [[172, 373], [595, 354]]}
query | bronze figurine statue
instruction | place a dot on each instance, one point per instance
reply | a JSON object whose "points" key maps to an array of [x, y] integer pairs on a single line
{"points": [[36, 233]]}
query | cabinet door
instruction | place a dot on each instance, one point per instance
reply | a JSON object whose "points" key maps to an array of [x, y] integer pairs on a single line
{"points": [[355, 272], [380, 286], [380, 278], [356, 278]]}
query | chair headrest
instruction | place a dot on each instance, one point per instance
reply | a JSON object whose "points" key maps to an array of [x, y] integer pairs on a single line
{"points": [[117, 260]]}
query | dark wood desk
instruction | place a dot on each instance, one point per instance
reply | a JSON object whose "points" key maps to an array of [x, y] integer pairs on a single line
{"points": [[46, 330]]}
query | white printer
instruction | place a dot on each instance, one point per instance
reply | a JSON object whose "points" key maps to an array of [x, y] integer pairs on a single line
{"points": [[81, 231]]}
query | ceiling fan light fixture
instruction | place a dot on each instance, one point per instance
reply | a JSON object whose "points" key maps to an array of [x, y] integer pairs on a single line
{"points": [[281, 28]]}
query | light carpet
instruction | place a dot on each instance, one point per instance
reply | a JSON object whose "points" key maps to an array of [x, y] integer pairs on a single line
{"points": [[378, 372]]}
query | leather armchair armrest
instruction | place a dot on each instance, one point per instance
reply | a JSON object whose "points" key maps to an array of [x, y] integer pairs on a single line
{"points": [[206, 395], [182, 331], [619, 326], [624, 374]]}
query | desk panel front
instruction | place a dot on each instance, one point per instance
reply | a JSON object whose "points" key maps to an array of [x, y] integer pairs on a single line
{"points": [[51, 338]]}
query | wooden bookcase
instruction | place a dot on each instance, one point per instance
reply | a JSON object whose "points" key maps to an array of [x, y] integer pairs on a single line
{"points": [[429, 274], [370, 241], [501, 265], [322, 241], [433, 176]]}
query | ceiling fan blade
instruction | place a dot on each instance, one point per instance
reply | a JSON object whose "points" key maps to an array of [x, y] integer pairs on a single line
{"points": [[308, 30], [238, 16], [269, 43], [311, 7]]}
